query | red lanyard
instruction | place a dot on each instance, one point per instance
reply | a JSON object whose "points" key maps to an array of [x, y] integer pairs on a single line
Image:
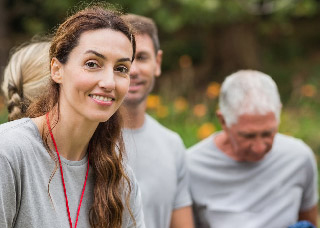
{"points": [[64, 186]]}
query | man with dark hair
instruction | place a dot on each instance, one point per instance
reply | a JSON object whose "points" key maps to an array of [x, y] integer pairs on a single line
{"points": [[156, 154]]}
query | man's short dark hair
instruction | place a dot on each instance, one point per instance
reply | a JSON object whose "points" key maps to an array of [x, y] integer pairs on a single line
{"points": [[144, 25]]}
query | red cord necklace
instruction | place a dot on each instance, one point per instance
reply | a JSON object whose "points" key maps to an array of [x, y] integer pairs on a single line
{"points": [[64, 186]]}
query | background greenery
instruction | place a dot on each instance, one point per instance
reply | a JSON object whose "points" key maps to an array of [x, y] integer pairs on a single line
{"points": [[203, 41]]}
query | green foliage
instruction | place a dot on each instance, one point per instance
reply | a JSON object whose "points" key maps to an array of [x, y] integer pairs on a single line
{"points": [[218, 37], [3, 116], [284, 31], [306, 8], [171, 15]]}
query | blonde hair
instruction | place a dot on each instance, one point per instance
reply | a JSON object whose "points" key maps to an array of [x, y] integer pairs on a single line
{"points": [[25, 77]]}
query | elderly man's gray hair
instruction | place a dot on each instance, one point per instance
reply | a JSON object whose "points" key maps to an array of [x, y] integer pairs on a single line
{"points": [[248, 92]]}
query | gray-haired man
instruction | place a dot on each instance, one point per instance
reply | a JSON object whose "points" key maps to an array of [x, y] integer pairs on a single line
{"points": [[248, 175]]}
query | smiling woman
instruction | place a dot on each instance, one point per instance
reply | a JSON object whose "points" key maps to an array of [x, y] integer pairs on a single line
{"points": [[95, 78], [71, 140]]}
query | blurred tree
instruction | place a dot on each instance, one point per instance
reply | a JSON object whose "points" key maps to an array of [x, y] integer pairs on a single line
{"points": [[219, 36], [203, 41], [3, 35]]}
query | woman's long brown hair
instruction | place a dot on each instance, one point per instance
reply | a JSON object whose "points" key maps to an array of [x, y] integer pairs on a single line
{"points": [[106, 145]]}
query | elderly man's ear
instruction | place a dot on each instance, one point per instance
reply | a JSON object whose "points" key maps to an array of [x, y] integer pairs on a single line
{"points": [[221, 119]]}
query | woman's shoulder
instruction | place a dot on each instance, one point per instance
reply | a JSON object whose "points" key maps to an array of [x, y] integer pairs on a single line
{"points": [[15, 135], [13, 127]]}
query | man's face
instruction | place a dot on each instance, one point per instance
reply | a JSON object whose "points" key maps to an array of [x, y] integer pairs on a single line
{"points": [[251, 138], [144, 69]]}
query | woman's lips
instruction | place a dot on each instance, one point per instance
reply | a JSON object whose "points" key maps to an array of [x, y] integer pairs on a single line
{"points": [[102, 99]]}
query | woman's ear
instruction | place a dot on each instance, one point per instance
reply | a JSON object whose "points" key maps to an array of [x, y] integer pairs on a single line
{"points": [[56, 70]]}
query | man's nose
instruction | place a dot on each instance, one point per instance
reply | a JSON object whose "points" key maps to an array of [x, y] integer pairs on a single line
{"points": [[259, 146], [134, 69]]}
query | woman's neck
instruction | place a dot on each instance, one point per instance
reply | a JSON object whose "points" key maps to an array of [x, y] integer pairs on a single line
{"points": [[72, 136]]}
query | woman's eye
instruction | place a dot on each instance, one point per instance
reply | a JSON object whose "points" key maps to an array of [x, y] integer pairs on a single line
{"points": [[91, 64], [122, 69]]}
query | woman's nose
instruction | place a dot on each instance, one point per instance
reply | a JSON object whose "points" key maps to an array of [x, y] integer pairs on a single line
{"points": [[107, 81]]}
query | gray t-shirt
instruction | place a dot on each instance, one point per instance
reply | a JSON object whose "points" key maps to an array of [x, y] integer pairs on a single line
{"points": [[25, 170], [157, 157], [265, 194]]}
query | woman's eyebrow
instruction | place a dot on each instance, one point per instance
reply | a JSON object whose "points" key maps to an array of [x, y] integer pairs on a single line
{"points": [[103, 57], [96, 53]]}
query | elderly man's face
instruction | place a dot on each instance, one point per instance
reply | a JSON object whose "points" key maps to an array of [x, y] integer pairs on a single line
{"points": [[252, 136]]}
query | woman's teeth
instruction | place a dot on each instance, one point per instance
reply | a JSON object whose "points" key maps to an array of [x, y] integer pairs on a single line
{"points": [[101, 98]]}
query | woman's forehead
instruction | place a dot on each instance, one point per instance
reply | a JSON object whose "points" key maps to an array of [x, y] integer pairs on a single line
{"points": [[104, 42]]}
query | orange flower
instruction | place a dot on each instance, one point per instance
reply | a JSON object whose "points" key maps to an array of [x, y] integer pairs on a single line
{"points": [[180, 104], [213, 90], [205, 130], [162, 111], [185, 61], [308, 90], [153, 101], [200, 110]]}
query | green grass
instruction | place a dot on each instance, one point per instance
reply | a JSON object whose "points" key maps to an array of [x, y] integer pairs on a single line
{"points": [[3, 116]]}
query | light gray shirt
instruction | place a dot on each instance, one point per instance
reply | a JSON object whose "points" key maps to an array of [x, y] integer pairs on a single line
{"points": [[264, 194], [25, 170], [157, 157]]}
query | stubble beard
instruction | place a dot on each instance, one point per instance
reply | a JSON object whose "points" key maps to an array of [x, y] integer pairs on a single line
{"points": [[133, 103]]}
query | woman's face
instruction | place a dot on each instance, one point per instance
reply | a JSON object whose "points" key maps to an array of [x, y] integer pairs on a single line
{"points": [[95, 79]]}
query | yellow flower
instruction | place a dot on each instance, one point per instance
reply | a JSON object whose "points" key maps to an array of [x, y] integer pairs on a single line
{"points": [[205, 130], [162, 111], [200, 110], [308, 90], [153, 101], [180, 104], [213, 90]]}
